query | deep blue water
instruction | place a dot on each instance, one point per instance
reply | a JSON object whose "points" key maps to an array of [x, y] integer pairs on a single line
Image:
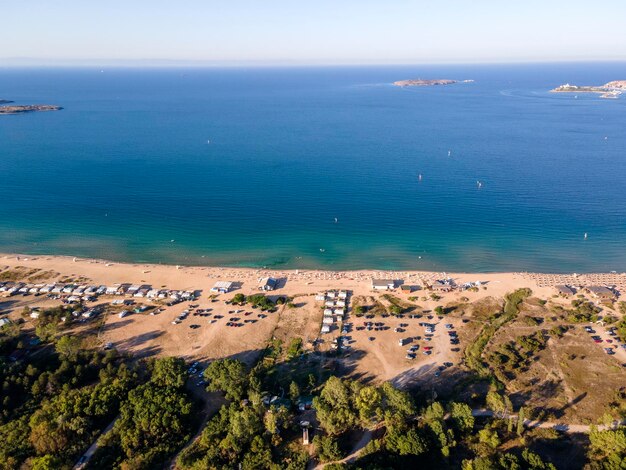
{"points": [[126, 167]]}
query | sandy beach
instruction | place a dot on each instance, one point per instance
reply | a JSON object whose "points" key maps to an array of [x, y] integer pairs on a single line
{"points": [[297, 281], [205, 338]]}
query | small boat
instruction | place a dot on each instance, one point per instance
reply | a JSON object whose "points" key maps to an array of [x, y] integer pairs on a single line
{"points": [[336, 220], [322, 250], [585, 235], [449, 153]]}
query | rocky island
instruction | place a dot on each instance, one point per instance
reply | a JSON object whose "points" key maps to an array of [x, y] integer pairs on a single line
{"points": [[5, 101], [18, 109], [608, 90]]}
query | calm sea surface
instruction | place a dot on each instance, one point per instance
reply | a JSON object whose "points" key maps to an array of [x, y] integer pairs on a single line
{"points": [[318, 167]]}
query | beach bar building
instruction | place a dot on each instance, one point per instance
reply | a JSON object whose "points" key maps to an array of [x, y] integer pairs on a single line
{"points": [[564, 291], [383, 284], [444, 285], [601, 292], [222, 287], [268, 284]]}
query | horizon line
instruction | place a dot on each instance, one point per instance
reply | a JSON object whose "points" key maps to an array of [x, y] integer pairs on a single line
{"points": [[18, 62]]}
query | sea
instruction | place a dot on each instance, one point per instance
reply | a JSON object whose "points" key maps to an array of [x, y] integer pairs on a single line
{"points": [[318, 167]]}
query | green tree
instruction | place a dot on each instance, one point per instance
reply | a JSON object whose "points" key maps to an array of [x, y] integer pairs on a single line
{"points": [[259, 456], [499, 404], [396, 403], [239, 298], [489, 437], [461, 414], [442, 435], [61, 424], [169, 372], [434, 412], [46, 332], [228, 376], [154, 422], [46, 462], [295, 348], [368, 403], [521, 417], [327, 448], [277, 418], [535, 462], [14, 447], [405, 442], [294, 391], [245, 424], [608, 446], [68, 346], [335, 412]]}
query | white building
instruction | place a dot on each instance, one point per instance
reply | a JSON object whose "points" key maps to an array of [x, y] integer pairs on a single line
{"points": [[222, 287], [383, 284]]}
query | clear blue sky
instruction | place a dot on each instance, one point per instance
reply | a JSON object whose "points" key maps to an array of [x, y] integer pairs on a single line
{"points": [[319, 31]]}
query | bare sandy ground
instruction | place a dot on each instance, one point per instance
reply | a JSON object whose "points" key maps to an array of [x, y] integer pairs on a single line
{"points": [[378, 359]]}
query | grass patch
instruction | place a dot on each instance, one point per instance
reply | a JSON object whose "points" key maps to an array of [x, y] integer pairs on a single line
{"points": [[398, 305], [17, 274], [43, 276], [474, 352]]}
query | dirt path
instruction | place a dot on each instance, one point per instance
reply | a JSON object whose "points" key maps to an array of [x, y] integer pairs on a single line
{"points": [[93, 447], [365, 439], [562, 427], [212, 405]]}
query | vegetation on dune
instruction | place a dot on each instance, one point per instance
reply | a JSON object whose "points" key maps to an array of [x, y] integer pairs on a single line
{"points": [[582, 311], [517, 354], [608, 448], [473, 355]]}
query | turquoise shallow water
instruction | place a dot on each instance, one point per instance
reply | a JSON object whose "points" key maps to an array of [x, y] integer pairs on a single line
{"points": [[125, 168]]}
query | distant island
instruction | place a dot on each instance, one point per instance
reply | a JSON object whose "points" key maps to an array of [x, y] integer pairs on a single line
{"points": [[422, 82], [5, 101], [608, 90], [18, 109]]}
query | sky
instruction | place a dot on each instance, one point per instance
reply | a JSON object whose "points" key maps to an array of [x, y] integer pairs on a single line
{"points": [[311, 32]]}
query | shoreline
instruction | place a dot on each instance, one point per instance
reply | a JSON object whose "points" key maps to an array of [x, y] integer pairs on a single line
{"points": [[295, 280], [38, 256]]}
